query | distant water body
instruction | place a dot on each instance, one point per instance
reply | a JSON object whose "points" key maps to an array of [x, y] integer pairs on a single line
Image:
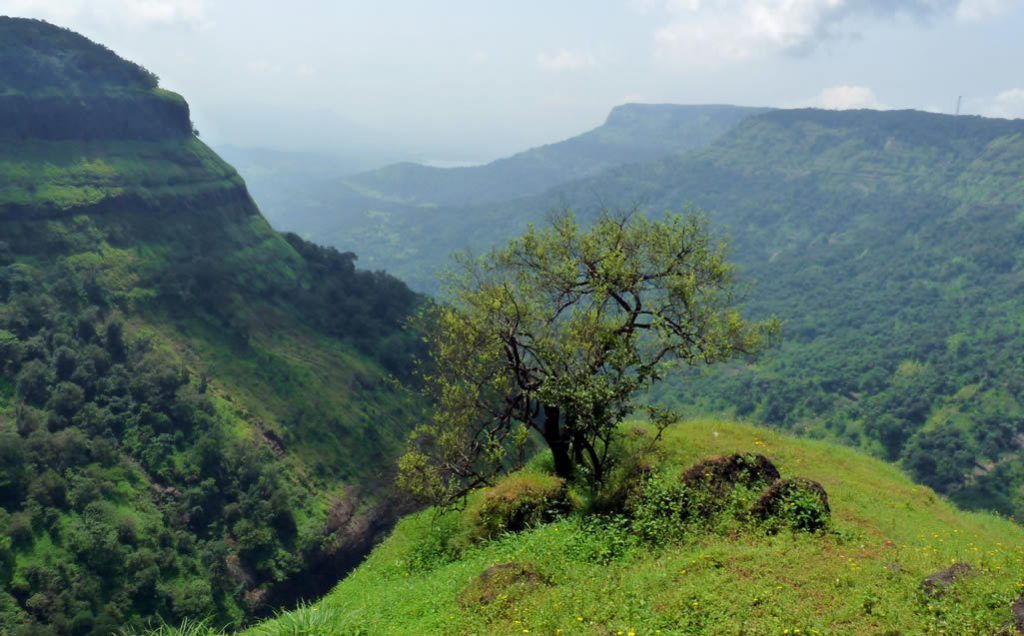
{"points": [[448, 163]]}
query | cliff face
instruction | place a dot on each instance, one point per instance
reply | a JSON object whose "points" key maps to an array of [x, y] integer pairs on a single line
{"points": [[186, 395]]}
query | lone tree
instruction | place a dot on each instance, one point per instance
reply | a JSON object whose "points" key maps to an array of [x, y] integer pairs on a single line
{"points": [[557, 333]]}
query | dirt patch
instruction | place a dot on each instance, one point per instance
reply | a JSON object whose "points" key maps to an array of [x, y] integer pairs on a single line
{"points": [[936, 584], [503, 583], [797, 502], [1018, 615], [718, 475]]}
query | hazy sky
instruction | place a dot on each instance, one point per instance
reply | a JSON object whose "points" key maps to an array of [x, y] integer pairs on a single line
{"points": [[460, 79]]}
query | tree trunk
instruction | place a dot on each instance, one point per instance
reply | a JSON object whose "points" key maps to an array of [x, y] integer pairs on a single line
{"points": [[558, 442]]}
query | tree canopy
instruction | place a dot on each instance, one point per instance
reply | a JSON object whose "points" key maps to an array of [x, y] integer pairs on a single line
{"points": [[558, 332]]}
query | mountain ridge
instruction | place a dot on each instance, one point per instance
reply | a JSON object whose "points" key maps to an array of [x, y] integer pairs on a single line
{"points": [[362, 206], [633, 132]]}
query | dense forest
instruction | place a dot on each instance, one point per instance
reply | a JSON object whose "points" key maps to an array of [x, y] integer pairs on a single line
{"points": [[196, 412], [125, 493]]}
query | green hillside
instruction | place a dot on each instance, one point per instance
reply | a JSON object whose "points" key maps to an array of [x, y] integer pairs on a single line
{"points": [[633, 133], [889, 243], [655, 572], [371, 209], [197, 413]]}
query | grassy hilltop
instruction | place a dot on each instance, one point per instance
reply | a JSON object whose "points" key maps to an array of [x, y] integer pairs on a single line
{"points": [[591, 575]]}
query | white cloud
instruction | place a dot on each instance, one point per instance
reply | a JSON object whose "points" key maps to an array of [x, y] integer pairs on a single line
{"points": [[969, 10], [710, 33], [1007, 105], [566, 60], [847, 98], [131, 13]]}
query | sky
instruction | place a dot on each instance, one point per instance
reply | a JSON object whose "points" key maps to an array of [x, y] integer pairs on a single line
{"points": [[462, 80]]}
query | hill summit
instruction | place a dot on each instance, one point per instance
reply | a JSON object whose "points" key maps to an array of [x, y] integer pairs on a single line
{"points": [[691, 552], [57, 84]]}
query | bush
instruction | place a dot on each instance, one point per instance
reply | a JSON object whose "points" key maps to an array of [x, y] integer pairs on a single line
{"points": [[518, 502], [659, 510], [632, 461], [724, 494], [797, 503]]}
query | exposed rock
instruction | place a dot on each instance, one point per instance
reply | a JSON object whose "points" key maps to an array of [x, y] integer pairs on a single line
{"points": [[274, 441], [341, 511], [1018, 614], [506, 582], [936, 584], [721, 474]]}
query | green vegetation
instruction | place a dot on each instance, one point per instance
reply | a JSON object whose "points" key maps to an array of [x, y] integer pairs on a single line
{"points": [[654, 570], [56, 84], [633, 133], [188, 399], [557, 333], [37, 56], [372, 210], [886, 242], [198, 415]]}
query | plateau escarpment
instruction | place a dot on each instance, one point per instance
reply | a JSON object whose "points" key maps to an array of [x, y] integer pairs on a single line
{"points": [[195, 411]]}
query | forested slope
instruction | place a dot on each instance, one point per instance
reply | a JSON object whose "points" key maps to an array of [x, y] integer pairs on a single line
{"points": [[197, 415]]}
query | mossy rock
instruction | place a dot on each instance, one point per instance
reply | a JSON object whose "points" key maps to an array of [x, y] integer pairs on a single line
{"points": [[518, 502], [503, 583], [718, 475], [935, 585], [801, 504]]}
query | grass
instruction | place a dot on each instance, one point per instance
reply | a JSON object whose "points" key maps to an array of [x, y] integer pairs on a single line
{"points": [[862, 577], [64, 175]]}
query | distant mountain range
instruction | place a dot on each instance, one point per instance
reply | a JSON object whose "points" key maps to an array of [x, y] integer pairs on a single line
{"points": [[890, 243], [364, 209]]}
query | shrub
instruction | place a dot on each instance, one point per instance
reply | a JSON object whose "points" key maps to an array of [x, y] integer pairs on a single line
{"points": [[797, 503], [442, 541], [659, 509], [632, 461], [518, 502]]}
